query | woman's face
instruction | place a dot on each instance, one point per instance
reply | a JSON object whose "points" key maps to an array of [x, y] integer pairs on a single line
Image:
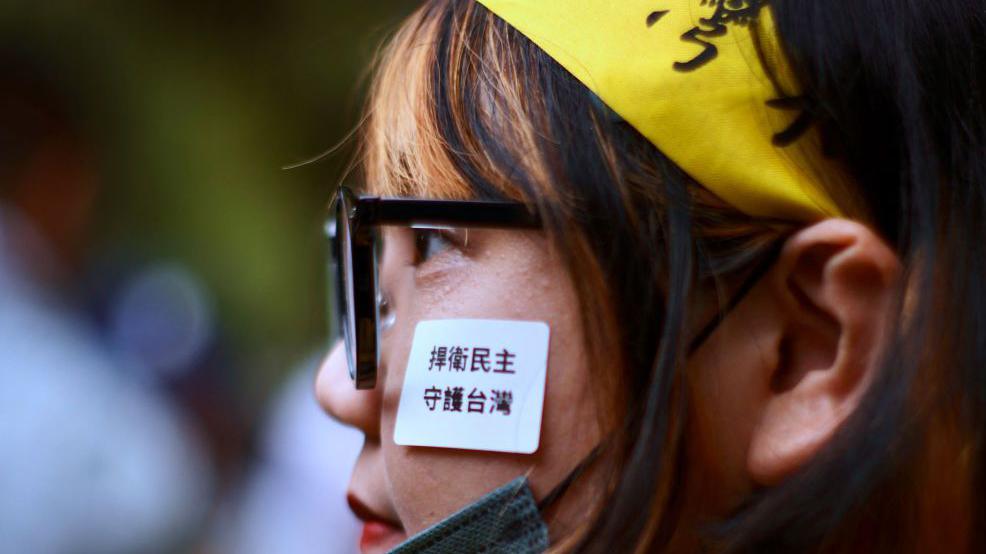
{"points": [[477, 274]]}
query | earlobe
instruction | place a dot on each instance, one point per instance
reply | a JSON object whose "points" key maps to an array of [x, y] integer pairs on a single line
{"points": [[834, 287]]}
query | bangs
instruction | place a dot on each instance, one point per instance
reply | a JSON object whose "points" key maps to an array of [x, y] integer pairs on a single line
{"points": [[402, 152], [450, 114]]}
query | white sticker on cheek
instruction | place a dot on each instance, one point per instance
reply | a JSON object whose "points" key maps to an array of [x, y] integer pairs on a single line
{"points": [[476, 384]]}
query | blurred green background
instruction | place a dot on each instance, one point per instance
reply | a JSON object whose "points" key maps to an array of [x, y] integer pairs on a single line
{"points": [[150, 133], [189, 112]]}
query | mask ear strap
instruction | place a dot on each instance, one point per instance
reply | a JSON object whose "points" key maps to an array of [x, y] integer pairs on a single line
{"points": [[758, 272], [562, 487]]}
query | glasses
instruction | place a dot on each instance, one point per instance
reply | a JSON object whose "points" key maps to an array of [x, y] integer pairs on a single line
{"points": [[353, 228]]}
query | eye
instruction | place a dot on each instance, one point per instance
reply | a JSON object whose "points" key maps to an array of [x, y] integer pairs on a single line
{"points": [[429, 243]]}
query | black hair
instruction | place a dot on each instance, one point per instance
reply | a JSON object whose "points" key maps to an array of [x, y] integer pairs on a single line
{"points": [[897, 90]]}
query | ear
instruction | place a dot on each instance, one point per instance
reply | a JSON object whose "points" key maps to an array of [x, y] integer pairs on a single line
{"points": [[833, 288]]}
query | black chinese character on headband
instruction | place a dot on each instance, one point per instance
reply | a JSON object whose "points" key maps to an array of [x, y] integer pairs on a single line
{"points": [[802, 122], [480, 360], [432, 395], [737, 12], [743, 13], [438, 358], [504, 361], [453, 399], [477, 402], [457, 358], [501, 401]]}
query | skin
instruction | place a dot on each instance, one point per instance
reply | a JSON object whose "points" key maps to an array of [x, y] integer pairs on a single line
{"points": [[768, 389], [491, 275]]}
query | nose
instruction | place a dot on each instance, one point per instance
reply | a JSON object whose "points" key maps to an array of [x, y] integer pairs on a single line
{"points": [[339, 397]]}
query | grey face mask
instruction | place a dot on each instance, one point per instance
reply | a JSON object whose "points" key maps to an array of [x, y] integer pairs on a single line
{"points": [[505, 520]]}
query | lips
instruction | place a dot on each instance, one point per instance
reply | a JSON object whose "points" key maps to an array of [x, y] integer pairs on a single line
{"points": [[378, 537], [379, 534]]}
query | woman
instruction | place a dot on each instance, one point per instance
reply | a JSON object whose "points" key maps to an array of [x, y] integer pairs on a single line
{"points": [[753, 233]]}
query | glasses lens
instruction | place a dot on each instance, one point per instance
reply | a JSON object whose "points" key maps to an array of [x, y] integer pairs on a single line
{"points": [[344, 283]]}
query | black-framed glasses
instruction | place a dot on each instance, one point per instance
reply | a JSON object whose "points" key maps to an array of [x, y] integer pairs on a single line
{"points": [[353, 226]]}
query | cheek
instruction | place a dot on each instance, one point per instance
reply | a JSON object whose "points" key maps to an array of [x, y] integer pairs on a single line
{"points": [[520, 284], [428, 484]]}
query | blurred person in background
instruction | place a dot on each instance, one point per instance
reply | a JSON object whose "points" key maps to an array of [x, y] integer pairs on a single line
{"points": [[147, 215], [760, 255], [291, 499], [92, 459]]}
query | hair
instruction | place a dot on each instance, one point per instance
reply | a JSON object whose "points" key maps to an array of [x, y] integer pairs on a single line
{"points": [[464, 106]]}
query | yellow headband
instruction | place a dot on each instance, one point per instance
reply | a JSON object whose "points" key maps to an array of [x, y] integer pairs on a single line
{"points": [[687, 75]]}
